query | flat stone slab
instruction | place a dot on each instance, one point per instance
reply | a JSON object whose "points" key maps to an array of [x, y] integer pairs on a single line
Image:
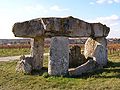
{"points": [[54, 26]]}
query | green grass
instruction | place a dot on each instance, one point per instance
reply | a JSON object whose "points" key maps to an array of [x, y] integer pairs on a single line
{"points": [[104, 79], [14, 52], [17, 51]]}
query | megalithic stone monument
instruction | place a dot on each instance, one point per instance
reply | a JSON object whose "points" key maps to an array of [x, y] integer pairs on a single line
{"points": [[41, 28]]}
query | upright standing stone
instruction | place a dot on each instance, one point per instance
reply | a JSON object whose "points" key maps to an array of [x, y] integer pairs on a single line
{"points": [[59, 56], [37, 48], [97, 48]]}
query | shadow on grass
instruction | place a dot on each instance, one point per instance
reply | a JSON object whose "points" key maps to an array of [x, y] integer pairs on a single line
{"points": [[112, 64], [111, 70], [39, 72]]}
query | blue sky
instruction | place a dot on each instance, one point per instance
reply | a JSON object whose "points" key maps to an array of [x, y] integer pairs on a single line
{"points": [[104, 11]]}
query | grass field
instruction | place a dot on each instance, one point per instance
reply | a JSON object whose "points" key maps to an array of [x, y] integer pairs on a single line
{"points": [[17, 51], [104, 79], [14, 52]]}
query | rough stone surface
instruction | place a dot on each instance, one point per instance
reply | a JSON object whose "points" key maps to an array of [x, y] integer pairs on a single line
{"points": [[59, 56], [75, 57], [31, 28], [37, 51], [97, 48], [59, 29], [99, 30], [89, 66], [24, 65], [52, 26]]}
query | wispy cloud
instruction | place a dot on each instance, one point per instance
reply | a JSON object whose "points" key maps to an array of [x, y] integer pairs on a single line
{"points": [[112, 21], [57, 8], [105, 1], [35, 8], [43, 9], [92, 3], [7, 19]]}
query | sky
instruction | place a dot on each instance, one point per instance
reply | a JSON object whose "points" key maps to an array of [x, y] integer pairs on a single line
{"points": [[103, 11]]}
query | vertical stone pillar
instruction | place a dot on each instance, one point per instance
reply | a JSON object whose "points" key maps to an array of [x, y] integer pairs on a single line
{"points": [[37, 51], [97, 48], [59, 56]]}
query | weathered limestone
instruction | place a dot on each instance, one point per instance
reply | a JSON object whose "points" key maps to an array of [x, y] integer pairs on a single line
{"points": [[97, 48], [24, 65], [76, 58], [59, 56], [37, 52], [60, 29], [68, 26], [31, 28], [99, 30], [89, 66]]}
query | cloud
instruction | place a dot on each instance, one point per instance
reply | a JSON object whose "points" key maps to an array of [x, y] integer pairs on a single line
{"points": [[112, 21], [57, 8], [36, 8], [33, 11], [105, 1], [6, 24], [100, 1], [43, 9], [92, 3], [8, 17]]}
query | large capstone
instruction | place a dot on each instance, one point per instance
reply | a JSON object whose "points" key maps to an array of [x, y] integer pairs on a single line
{"points": [[99, 30], [97, 48], [59, 56], [52, 26]]}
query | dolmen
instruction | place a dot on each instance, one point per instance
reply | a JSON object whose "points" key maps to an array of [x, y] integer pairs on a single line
{"points": [[60, 30]]}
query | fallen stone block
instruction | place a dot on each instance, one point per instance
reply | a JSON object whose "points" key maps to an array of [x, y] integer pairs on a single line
{"points": [[89, 66], [24, 65]]}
